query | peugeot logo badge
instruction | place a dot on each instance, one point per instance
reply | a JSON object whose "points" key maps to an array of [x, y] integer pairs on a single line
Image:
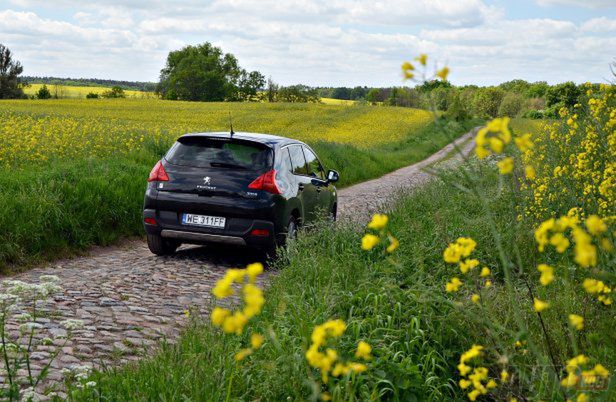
{"points": [[206, 180]]}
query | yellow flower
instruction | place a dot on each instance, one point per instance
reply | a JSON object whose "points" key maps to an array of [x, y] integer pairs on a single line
{"points": [[453, 285], [473, 352], [393, 244], [474, 394], [378, 222], [464, 383], [595, 286], [242, 354], [491, 384], [475, 298], [504, 376], [407, 66], [547, 274], [358, 367], [485, 271], [254, 270], [539, 305], [326, 396], [524, 143], [468, 264], [452, 253], [582, 398], [601, 371], [363, 351], [505, 166], [560, 242], [595, 225], [481, 152], [576, 321], [369, 241], [422, 59], [488, 284], [256, 340], [218, 315], [463, 369], [443, 73], [530, 172], [223, 288], [235, 323]]}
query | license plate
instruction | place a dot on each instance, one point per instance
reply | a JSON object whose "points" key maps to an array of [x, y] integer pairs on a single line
{"points": [[204, 220]]}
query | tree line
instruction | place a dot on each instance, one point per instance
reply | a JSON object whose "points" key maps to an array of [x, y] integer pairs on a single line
{"points": [[205, 73]]}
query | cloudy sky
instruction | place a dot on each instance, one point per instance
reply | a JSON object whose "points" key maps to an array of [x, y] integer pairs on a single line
{"points": [[318, 42]]}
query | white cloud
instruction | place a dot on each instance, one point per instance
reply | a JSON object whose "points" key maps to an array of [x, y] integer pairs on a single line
{"points": [[601, 24], [339, 42], [578, 3]]}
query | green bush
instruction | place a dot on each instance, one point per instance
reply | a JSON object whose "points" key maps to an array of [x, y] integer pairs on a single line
{"points": [[486, 101], [511, 105]]}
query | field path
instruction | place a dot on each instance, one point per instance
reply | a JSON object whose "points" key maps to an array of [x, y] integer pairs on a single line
{"points": [[130, 299]]}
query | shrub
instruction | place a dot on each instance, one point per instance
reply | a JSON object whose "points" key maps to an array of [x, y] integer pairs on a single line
{"points": [[92, 95], [511, 105], [486, 101], [43, 93]]}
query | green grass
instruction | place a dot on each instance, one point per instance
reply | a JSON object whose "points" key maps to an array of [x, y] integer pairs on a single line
{"points": [[396, 304], [60, 207]]}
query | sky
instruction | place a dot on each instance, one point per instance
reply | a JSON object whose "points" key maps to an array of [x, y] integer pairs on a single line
{"points": [[319, 43]]}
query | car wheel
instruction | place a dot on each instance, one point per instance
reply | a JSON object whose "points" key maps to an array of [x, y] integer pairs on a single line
{"points": [[160, 246], [333, 214]]}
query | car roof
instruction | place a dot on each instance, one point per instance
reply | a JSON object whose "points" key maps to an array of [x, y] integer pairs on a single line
{"points": [[267, 139]]}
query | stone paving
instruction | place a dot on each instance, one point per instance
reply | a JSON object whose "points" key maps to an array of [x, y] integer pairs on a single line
{"points": [[130, 299]]}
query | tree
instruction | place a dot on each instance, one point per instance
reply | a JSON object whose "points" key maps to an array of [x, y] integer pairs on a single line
{"points": [[11, 86], [511, 105], [43, 93], [272, 90], [298, 93], [248, 85], [341, 93], [205, 73], [115, 92], [373, 95], [565, 94], [486, 101], [92, 95]]}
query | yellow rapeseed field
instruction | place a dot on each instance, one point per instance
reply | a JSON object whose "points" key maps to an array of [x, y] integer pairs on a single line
{"points": [[38, 130], [67, 91]]}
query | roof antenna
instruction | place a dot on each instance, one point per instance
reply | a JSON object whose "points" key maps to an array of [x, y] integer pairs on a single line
{"points": [[230, 124]]}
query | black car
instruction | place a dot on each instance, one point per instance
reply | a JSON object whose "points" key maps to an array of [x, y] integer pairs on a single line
{"points": [[235, 188]]}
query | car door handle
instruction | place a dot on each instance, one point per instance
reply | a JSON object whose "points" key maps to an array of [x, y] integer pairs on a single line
{"points": [[301, 187]]}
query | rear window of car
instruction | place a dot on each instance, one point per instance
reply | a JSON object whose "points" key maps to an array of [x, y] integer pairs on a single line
{"points": [[215, 153]]}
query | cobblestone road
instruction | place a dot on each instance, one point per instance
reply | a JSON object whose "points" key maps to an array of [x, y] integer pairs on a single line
{"points": [[130, 299]]}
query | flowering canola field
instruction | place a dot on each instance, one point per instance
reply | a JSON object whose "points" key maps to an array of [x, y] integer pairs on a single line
{"points": [[37, 130]]}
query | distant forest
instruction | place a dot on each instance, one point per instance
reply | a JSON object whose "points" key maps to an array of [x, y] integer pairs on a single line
{"points": [[92, 82]]}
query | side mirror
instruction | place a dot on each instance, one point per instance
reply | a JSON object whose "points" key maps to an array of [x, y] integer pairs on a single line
{"points": [[333, 176]]}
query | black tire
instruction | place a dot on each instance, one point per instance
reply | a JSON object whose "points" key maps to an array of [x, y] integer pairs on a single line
{"points": [[160, 246], [333, 214]]}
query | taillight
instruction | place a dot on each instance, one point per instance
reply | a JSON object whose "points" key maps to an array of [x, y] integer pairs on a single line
{"points": [[158, 173], [150, 221], [266, 182], [260, 232]]}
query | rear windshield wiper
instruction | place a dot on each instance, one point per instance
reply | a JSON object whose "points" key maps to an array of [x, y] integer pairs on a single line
{"points": [[227, 165]]}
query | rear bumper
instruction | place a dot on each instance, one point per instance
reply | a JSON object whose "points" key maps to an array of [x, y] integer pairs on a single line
{"points": [[237, 231]]}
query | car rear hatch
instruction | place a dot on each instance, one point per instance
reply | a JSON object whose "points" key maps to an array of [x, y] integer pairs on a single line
{"points": [[211, 176]]}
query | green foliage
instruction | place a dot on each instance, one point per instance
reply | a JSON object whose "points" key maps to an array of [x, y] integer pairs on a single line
{"points": [[10, 82], [297, 93], [43, 93], [92, 95], [486, 101], [565, 94], [511, 105], [114, 93], [205, 73], [373, 96]]}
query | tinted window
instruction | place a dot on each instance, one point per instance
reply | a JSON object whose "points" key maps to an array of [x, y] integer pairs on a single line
{"points": [[314, 166], [204, 152], [297, 160]]}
